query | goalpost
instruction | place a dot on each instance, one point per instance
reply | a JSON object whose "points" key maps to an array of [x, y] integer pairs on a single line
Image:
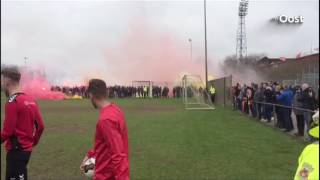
{"points": [[139, 85], [194, 93]]}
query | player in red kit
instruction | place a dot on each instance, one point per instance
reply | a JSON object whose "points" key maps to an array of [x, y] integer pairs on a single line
{"points": [[22, 126], [111, 137]]}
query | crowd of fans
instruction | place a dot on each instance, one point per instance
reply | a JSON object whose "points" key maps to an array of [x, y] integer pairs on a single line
{"points": [[71, 91], [117, 91], [271, 100], [177, 91]]}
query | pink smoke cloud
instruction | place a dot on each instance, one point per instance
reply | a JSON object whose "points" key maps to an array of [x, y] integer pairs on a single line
{"points": [[146, 53], [36, 85]]}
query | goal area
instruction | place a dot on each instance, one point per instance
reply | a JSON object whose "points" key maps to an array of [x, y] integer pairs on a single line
{"points": [[140, 87], [194, 94]]}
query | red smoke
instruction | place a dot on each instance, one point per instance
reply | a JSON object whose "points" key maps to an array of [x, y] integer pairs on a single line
{"points": [[37, 86], [145, 53]]}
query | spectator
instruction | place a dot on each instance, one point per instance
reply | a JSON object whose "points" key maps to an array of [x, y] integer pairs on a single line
{"points": [[258, 97], [236, 97], [298, 113], [279, 109], [285, 98], [308, 101], [244, 99], [269, 98], [250, 107]]}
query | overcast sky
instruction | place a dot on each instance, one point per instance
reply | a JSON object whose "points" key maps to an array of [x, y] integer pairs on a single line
{"points": [[74, 40]]}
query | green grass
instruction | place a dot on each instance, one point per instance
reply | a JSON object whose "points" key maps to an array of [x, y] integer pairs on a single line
{"points": [[166, 142]]}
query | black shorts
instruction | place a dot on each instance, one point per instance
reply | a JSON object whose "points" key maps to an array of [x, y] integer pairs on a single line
{"points": [[16, 167]]}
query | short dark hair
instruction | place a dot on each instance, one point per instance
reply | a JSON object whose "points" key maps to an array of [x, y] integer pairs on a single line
{"points": [[12, 73], [97, 88]]}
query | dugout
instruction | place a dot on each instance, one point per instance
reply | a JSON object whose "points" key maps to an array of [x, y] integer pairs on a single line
{"points": [[223, 88]]}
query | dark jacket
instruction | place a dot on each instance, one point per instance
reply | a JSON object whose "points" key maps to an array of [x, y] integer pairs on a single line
{"points": [[269, 96], [258, 95], [308, 99], [296, 103]]}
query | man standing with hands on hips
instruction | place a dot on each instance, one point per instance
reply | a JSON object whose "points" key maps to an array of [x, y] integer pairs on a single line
{"points": [[22, 127]]}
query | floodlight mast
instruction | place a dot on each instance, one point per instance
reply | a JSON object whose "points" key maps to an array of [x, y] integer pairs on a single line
{"points": [[25, 61], [241, 49]]}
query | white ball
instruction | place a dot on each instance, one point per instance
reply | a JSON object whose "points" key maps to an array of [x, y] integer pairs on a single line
{"points": [[90, 172]]}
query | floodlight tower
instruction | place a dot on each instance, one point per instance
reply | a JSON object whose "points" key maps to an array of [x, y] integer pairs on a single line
{"points": [[241, 50]]}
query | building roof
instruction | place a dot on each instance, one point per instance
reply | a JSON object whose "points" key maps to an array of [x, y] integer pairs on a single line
{"points": [[265, 61]]}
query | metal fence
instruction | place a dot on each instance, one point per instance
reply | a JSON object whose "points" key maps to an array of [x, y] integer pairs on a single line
{"points": [[293, 72], [311, 78]]}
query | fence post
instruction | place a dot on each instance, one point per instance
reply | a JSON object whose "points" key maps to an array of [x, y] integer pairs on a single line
{"points": [[274, 116], [224, 92]]}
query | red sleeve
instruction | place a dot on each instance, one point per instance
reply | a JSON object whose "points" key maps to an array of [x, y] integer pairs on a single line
{"points": [[39, 127], [91, 153], [10, 120], [112, 135]]}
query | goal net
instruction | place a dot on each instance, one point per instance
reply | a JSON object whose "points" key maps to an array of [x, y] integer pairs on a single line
{"points": [[142, 89], [194, 93]]}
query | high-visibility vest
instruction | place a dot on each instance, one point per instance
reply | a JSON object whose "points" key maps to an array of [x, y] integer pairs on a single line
{"points": [[212, 90], [308, 168]]}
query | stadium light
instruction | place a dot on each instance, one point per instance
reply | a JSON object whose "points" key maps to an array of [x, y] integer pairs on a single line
{"points": [[25, 61]]}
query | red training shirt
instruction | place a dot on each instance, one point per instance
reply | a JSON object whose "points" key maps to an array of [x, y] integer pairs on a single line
{"points": [[23, 124], [111, 145]]}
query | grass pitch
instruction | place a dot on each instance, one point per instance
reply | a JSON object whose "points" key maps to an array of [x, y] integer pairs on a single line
{"points": [[166, 142]]}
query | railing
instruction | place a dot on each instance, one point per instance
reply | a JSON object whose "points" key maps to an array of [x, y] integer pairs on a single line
{"points": [[276, 120], [290, 107]]}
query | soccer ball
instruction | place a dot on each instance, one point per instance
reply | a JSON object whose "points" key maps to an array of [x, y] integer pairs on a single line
{"points": [[89, 167]]}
